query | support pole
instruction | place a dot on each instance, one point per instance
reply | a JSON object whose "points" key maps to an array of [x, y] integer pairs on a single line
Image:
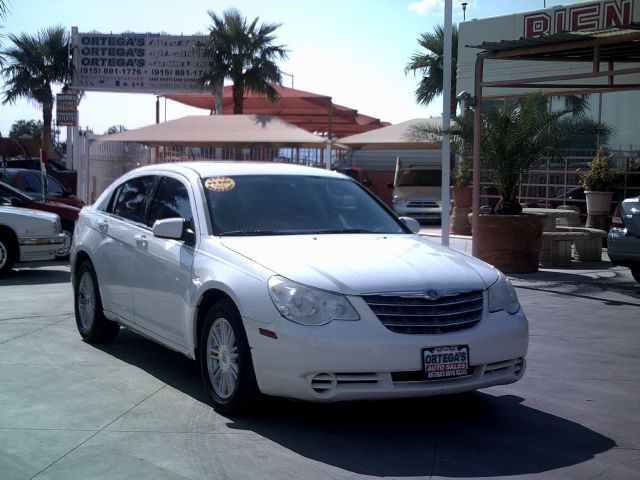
{"points": [[477, 125], [446, 124]]}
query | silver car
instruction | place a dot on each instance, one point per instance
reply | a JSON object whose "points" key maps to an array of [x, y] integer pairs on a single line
{"points": [[293, 282], [28, 235], [624, 236]]}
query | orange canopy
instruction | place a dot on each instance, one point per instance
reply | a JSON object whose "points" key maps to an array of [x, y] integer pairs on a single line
{"points": [[310, 111]]}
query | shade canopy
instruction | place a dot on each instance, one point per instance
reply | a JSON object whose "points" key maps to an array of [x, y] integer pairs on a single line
{"points": [[310, 111], [221, 130], [397, 137]]}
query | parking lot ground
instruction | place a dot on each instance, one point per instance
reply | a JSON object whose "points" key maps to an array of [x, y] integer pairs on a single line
{"points": [[135, 410]]}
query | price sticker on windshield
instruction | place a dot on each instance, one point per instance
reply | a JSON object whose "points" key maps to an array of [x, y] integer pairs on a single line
{"points": [[441, 363], [220, 184]]}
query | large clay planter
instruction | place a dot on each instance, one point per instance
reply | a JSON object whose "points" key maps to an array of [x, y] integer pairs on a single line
{"points": [[462, 196], [462, 200], [510, 243]]}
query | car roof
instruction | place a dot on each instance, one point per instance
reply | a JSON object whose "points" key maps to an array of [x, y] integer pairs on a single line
{"points": [[232, 168]]}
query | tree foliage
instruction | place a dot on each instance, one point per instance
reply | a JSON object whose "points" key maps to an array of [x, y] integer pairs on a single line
{"points": [[29, 128], [429, 64], [244, 53], [115, 129], [35, 65]]}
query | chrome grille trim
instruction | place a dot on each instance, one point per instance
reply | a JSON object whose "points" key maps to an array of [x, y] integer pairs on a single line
{"points": [[411, 314], [417, 204]]}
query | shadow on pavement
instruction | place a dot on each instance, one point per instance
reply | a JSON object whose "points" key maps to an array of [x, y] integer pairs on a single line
{"points": [[38, 276], [583, 283], [475, 434]]}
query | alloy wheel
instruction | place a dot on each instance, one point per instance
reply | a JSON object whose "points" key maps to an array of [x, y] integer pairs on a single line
{"points": [[86, 301], [222, 358]]}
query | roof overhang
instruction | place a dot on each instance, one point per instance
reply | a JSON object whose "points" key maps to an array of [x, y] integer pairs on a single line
{"points": [[614, 49], [221, 131]]}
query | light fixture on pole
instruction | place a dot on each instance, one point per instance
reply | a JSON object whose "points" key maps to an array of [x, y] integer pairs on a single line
{"points": [[464, 10]]}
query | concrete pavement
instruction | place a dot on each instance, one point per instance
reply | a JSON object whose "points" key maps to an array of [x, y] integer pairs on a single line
{"points": [[132, 409]]}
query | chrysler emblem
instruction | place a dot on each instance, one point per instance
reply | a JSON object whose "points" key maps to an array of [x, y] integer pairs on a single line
{"points": [[432, 295]]}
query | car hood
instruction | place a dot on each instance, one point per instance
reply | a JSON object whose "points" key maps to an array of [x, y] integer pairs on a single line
{"points": [[362, 264]]}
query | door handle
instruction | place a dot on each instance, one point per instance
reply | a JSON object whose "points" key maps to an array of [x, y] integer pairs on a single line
{"points": [[141, 240], [103, 225]]}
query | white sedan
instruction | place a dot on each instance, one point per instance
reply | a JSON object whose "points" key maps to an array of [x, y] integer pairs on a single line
{"points": [[28, 235], [290, 281]]}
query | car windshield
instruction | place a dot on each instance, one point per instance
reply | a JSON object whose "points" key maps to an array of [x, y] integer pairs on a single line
{"points": [[420, 178], [294, 205]]}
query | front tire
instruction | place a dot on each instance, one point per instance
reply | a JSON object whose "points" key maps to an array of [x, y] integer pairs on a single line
{"points": [[225, 361], [635, 272], [93, 326]]}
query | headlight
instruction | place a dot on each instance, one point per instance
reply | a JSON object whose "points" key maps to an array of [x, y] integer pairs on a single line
{"points": [[309, 306], [502, 296]]}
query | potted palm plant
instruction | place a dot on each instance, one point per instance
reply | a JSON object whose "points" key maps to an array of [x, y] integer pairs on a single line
{"points": [[598, 183], [514, 137]]}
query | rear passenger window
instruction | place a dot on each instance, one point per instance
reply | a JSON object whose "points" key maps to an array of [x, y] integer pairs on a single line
{"points": [[130, 199], [171, 200]]}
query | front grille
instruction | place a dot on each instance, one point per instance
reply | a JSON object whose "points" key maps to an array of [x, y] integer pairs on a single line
{"points": [[420, 315], [422, 205]]}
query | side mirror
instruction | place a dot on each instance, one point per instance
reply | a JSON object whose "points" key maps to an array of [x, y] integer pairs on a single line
{"points": [[18, 202], [172, 228], [412, 223]]}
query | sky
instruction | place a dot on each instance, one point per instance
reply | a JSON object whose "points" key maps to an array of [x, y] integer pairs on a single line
{"points": [[354, 51]]}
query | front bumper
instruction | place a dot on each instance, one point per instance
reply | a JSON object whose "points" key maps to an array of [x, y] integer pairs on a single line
{"points": [[419, 213], [356, 360], [33, 249]]}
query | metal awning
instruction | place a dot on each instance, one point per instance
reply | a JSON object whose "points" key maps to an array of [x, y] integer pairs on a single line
{"points": [[611, 46]]}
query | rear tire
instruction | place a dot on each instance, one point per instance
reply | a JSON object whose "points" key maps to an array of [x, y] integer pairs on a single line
{"points": [[225, 361], [93, 326], [7, 253], [635, 272]]}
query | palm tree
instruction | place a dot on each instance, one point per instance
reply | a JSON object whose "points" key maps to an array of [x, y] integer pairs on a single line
{"points": [[430, 63], [4, 9], [244, 53], [515, 135], [35, 64]]}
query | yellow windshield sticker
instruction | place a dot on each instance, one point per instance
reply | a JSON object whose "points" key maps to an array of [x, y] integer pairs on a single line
{"points": [[220, 184]]}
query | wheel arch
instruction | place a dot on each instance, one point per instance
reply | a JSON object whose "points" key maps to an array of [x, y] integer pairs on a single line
{"points": [[12, 237], [207, 300], [80, 258]]}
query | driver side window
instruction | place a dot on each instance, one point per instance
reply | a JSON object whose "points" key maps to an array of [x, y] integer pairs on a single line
{"points": [[171, 200]]}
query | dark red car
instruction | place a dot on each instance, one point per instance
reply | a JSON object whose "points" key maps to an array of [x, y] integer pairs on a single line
{"points": [[30, 181], [68, 178], [67, 213]]}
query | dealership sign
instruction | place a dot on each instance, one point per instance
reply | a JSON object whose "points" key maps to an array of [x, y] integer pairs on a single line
{"points": [[138, 63], [606, 14], [66, 110]]}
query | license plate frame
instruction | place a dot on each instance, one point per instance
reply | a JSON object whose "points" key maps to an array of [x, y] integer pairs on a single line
{"points": [[446, 362]]}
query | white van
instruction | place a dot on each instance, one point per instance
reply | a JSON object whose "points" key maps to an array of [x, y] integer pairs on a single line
{"points": [[418, 193]]}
